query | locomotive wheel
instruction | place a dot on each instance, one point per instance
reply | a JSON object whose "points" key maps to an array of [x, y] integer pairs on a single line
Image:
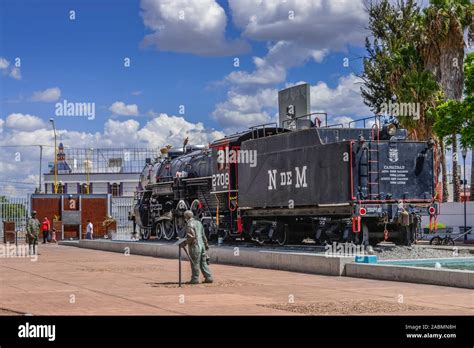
{"points": [[198, 212], [159, 231], [406, 235], [167, 228], [355, 238], [180, 227], [255, 237], [282, 234], [360, 238], [178, 221], [210, 228], [145, 233]]}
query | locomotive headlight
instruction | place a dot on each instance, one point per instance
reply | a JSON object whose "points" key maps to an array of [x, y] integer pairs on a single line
{"points": [[391, 129]]}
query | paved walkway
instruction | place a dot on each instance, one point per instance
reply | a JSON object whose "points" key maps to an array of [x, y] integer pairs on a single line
{"points": [[69, 280]]}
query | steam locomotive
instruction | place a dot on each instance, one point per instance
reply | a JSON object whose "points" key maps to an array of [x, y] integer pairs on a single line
{"points": [[285, 184]]}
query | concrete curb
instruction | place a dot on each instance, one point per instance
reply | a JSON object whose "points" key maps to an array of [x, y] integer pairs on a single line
{"points": [[409, 274], [269, 259], [293, 262]]}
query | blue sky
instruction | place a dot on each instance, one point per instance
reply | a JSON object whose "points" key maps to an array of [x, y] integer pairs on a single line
{"points": [[84, 59], [181, 53]]}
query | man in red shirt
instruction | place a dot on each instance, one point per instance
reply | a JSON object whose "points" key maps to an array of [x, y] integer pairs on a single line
{"points": [[45, 227]]}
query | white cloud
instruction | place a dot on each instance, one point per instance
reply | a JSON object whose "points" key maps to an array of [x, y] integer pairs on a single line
{"points": [[119, 108], [1, 125], [48, 95], [7, 69], [272, 68], [29, 130], [298, 31], [4, 64], [189, 26], [135, 93], [242, 110], [173, 130], [15, 73], [317, 24], [120, 133], [343, 100], [24, 122], [344, 120]]}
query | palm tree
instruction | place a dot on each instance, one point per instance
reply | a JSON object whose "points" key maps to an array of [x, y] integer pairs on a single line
{"points": [[394, 70], [445, 23]]}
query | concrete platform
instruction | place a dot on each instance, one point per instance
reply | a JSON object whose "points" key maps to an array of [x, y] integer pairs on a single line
{"points": [[302, 262], [420, 275], [230, 255], [78, 281]]}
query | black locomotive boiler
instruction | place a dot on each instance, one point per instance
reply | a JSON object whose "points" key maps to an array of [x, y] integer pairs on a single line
{"points": [[272, 184]]}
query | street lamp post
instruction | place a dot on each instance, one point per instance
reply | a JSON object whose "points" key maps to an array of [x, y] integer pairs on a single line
{"points": [[88, 169], [55, 158], [464, 154]]}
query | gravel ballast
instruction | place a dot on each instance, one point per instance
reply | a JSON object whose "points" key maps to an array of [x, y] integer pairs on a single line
{"points": [[413, 252]]}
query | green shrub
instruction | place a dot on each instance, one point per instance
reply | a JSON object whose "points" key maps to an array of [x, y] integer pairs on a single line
{"points": [[438, 226]]}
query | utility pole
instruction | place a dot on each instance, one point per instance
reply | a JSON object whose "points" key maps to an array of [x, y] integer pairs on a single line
{"points": [[88, 169], [40, 168], [464, 154], [55, 158]]}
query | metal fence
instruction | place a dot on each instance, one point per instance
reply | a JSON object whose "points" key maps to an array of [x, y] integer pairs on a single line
{"points": [[106, 160], [121, 206], [15, 209]]}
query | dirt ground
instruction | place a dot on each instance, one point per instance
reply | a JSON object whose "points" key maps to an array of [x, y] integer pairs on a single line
{"points": [[73, 281]]}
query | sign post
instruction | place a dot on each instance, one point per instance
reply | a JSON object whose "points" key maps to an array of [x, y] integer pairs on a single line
{"points": [[179, 257]]}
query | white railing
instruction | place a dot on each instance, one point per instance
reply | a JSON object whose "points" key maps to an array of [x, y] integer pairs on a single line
{"points": [[121, 206]]}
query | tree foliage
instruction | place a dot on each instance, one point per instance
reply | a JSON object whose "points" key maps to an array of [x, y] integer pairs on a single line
{"points": [[394, 70], [454, 116], [10, 210]]}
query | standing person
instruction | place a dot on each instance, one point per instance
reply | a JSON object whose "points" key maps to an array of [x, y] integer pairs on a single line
{"points": [[197, 244], [53, 236], [32, 232], [89, 230], [45, 227]]}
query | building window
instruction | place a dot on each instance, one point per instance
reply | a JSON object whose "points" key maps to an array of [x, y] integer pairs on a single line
{"points": [[115, 190], [62, 188], [83, 189]]}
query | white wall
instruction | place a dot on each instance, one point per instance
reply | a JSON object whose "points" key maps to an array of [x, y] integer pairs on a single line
{"points": [[452, 214]]}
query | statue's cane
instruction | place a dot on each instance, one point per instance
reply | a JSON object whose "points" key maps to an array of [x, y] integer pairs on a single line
{"points": [[181, 245]]}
